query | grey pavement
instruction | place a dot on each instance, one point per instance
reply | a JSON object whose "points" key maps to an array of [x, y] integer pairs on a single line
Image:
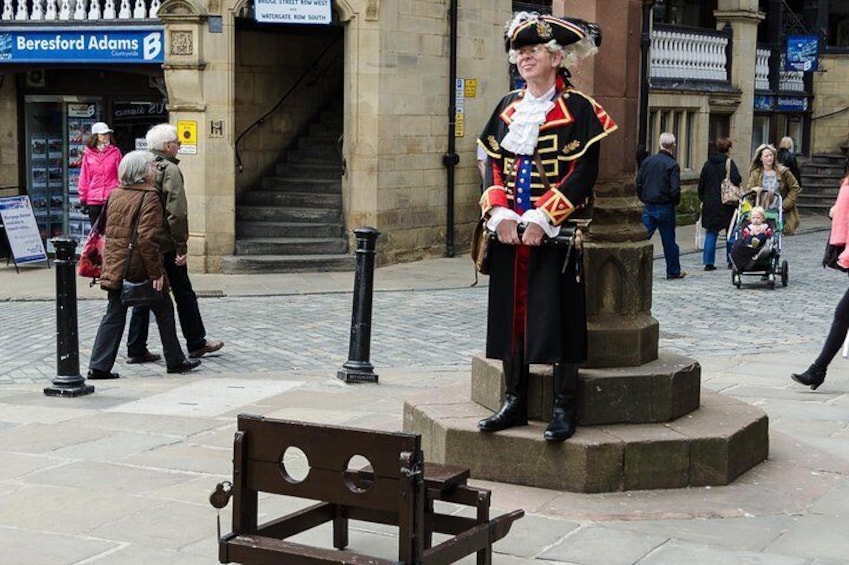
{"points": [[123, 475]]}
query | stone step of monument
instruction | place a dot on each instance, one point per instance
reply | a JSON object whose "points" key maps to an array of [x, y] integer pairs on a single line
{"points": [[659, 391], [711, 446]]}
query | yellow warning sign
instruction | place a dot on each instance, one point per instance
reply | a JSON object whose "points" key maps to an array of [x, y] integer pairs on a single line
{"points": [[459, 124], [471, 88], [187, 131]]}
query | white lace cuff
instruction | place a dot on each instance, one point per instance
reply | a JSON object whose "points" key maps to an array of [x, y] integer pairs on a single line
{"points": [[539, 218], [500, 213]]}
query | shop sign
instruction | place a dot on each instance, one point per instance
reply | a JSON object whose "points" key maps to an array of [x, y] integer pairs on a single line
{"points": [[56, 45], [763, 102], [187, 132], [293, 11], [125, 112], [802, 53], [21, 229], [793, 103]]}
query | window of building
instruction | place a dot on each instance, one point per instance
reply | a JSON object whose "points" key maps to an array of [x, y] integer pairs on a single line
{"points": [[691, 13], [838, 24], [760, 132], [679, 122], [719, 125], [790, 125]]}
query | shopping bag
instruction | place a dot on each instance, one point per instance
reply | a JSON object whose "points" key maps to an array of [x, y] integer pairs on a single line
{"points": [[91, 255], [700, 235]]}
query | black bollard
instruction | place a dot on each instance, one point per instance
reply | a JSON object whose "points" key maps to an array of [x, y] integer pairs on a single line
{"points": [[357, 368], [68, 381]]}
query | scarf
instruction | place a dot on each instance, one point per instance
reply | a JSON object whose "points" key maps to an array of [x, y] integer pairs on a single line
{"points": [[524, 129]]}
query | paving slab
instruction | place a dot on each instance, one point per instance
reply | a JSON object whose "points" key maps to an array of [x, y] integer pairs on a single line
{"points": [[36, 547]]}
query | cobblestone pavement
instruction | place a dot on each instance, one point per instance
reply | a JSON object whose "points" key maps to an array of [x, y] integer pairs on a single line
{"points": [[702, 314]]}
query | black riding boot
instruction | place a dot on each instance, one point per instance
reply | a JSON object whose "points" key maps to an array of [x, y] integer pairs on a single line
{"points": [[812, 377], [514, 411], [562, 425]]}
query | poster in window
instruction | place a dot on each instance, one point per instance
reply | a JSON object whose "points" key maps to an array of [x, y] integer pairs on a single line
{"points": [[73, 180], [39, 178], [75, 155], [39, 205], [38, 149], [55, 177], [54, 148]]}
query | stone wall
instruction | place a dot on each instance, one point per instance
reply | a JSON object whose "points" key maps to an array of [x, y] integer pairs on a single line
{"points": [[829, 133], [406, 100], [9, 147]]}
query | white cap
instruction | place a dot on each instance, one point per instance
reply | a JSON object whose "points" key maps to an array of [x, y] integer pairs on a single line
{"points": [[100, 127]]}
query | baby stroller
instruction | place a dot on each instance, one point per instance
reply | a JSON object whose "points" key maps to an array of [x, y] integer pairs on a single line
{"points": [[765, 261]]}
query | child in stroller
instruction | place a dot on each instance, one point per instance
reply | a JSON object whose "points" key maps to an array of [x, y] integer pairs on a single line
{"points": [[756, 246], [758, 231]]}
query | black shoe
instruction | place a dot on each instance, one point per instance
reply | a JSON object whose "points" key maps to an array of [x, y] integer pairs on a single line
{"points": [[710, 268], [146, 357], [812, 377], [680, 275], [97, 374], [185, 366], [562, 425], [513, 413]]}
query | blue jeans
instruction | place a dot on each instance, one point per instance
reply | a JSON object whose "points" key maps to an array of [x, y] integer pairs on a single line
{"points": [[709, 253], [661, 217]]}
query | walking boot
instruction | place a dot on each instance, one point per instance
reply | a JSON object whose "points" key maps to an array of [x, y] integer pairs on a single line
{"points": [[812, 377], [514, 411], [563, 416]]}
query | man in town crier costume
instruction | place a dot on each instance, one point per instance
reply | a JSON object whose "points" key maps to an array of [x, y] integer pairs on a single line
{"points": [[543, 147]]}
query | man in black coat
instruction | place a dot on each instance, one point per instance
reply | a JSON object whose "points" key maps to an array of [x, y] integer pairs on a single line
{"points": [[659, 188]]}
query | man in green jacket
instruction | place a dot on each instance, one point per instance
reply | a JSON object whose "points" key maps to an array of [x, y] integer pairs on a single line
{"points": [[162, 141]]}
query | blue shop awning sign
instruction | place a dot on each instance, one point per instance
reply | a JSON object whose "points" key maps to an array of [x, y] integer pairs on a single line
{"points": [[87, 45], [802, 53], [793, 103]]}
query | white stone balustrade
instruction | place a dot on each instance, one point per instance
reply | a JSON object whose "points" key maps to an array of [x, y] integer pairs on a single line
{"points": [[685, 54], [762, 69], [77, 10], [791, 81], [788, 81]]}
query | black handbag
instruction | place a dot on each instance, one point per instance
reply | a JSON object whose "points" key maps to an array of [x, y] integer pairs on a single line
{"points": [[832, 253], [137, 293]]}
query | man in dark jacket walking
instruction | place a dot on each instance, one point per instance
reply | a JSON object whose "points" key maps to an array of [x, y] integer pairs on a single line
{"points": [[659, 188]]}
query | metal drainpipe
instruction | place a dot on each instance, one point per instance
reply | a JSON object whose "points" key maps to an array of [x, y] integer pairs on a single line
{"points": [[645, 69], [450, 159]]}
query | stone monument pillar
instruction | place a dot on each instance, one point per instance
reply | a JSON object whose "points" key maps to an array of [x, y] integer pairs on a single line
{"points": [[617, 256]]}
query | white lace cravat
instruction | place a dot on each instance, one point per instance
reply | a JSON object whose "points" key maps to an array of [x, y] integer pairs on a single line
{"points": [[524, 129]]}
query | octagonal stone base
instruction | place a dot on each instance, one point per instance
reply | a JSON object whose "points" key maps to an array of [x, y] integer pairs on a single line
{"points": [[710, 444], [659, 391]]}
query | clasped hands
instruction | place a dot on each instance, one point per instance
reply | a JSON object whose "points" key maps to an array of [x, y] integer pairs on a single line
{"points": [[508, 233]]}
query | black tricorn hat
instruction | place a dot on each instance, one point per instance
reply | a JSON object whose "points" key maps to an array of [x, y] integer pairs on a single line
{"points": [[543, 29]]}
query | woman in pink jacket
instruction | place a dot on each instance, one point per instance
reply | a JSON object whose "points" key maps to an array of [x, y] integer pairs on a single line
{"points": [[99, 170], [814, 375]]}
